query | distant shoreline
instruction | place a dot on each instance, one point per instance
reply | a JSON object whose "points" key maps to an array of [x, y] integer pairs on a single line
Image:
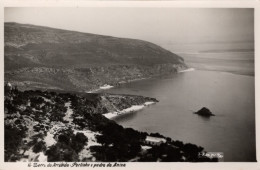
{"points": [[230, 72]]}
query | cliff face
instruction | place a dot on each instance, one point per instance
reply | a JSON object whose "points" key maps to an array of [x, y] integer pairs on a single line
{"points": [[41, 57]]}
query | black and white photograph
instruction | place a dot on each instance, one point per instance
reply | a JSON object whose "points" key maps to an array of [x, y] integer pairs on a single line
{"points": [[129, 84]]}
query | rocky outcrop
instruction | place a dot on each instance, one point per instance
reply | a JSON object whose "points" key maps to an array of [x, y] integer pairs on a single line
{"points": [[204, 112]]}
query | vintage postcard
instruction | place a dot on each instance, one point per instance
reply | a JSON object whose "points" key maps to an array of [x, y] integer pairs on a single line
{"points": [[129, 85]]}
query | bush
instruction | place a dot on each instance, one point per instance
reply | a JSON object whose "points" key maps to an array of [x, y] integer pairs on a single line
{"points": [[39, 146], [63, 138], [75, 142], [12, 141], [192, 151], [61, 152], [157, 135], [80, 138]]}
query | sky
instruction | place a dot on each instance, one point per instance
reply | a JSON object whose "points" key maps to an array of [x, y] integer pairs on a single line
{"points": [[158, 25]]}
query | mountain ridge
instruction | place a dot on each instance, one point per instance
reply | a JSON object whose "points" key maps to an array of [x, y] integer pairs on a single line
{"points": [[31, 48], [81, 32]]}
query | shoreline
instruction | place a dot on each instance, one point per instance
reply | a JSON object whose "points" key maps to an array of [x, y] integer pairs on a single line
{"points": [[133, 108], [228, 72], [104, 87], [107, 86], [187, 70], [129, 81]]}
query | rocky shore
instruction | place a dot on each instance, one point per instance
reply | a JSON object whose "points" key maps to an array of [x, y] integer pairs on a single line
{"points": [[131, 109]]}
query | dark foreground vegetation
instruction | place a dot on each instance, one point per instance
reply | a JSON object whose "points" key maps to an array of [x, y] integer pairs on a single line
{"points": [[30, 117]]}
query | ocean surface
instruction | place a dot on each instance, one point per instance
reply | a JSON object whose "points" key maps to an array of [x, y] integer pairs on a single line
{"points": [[235, 57], [229, 96]]}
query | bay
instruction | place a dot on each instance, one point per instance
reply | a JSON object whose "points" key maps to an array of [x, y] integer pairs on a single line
{"points": [[229, 96]]}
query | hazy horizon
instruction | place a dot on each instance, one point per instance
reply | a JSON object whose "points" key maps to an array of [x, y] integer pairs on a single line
{"points": [[162, 26]]}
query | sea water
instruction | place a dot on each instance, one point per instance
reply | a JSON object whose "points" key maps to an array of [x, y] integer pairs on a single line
{"points": [[229, 96]]}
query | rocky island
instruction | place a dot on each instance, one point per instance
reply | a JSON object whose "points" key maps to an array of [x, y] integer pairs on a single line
{"points": [[204, 112]]}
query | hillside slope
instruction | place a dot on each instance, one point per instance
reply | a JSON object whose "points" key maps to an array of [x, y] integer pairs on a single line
{"points": [[63, 127], [42, 57]]}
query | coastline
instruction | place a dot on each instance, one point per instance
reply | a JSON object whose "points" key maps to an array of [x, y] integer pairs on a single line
{"points": [[186, 70], [104, 87], [133, 108], [107, 86], [229, 72], [133, 80]]}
